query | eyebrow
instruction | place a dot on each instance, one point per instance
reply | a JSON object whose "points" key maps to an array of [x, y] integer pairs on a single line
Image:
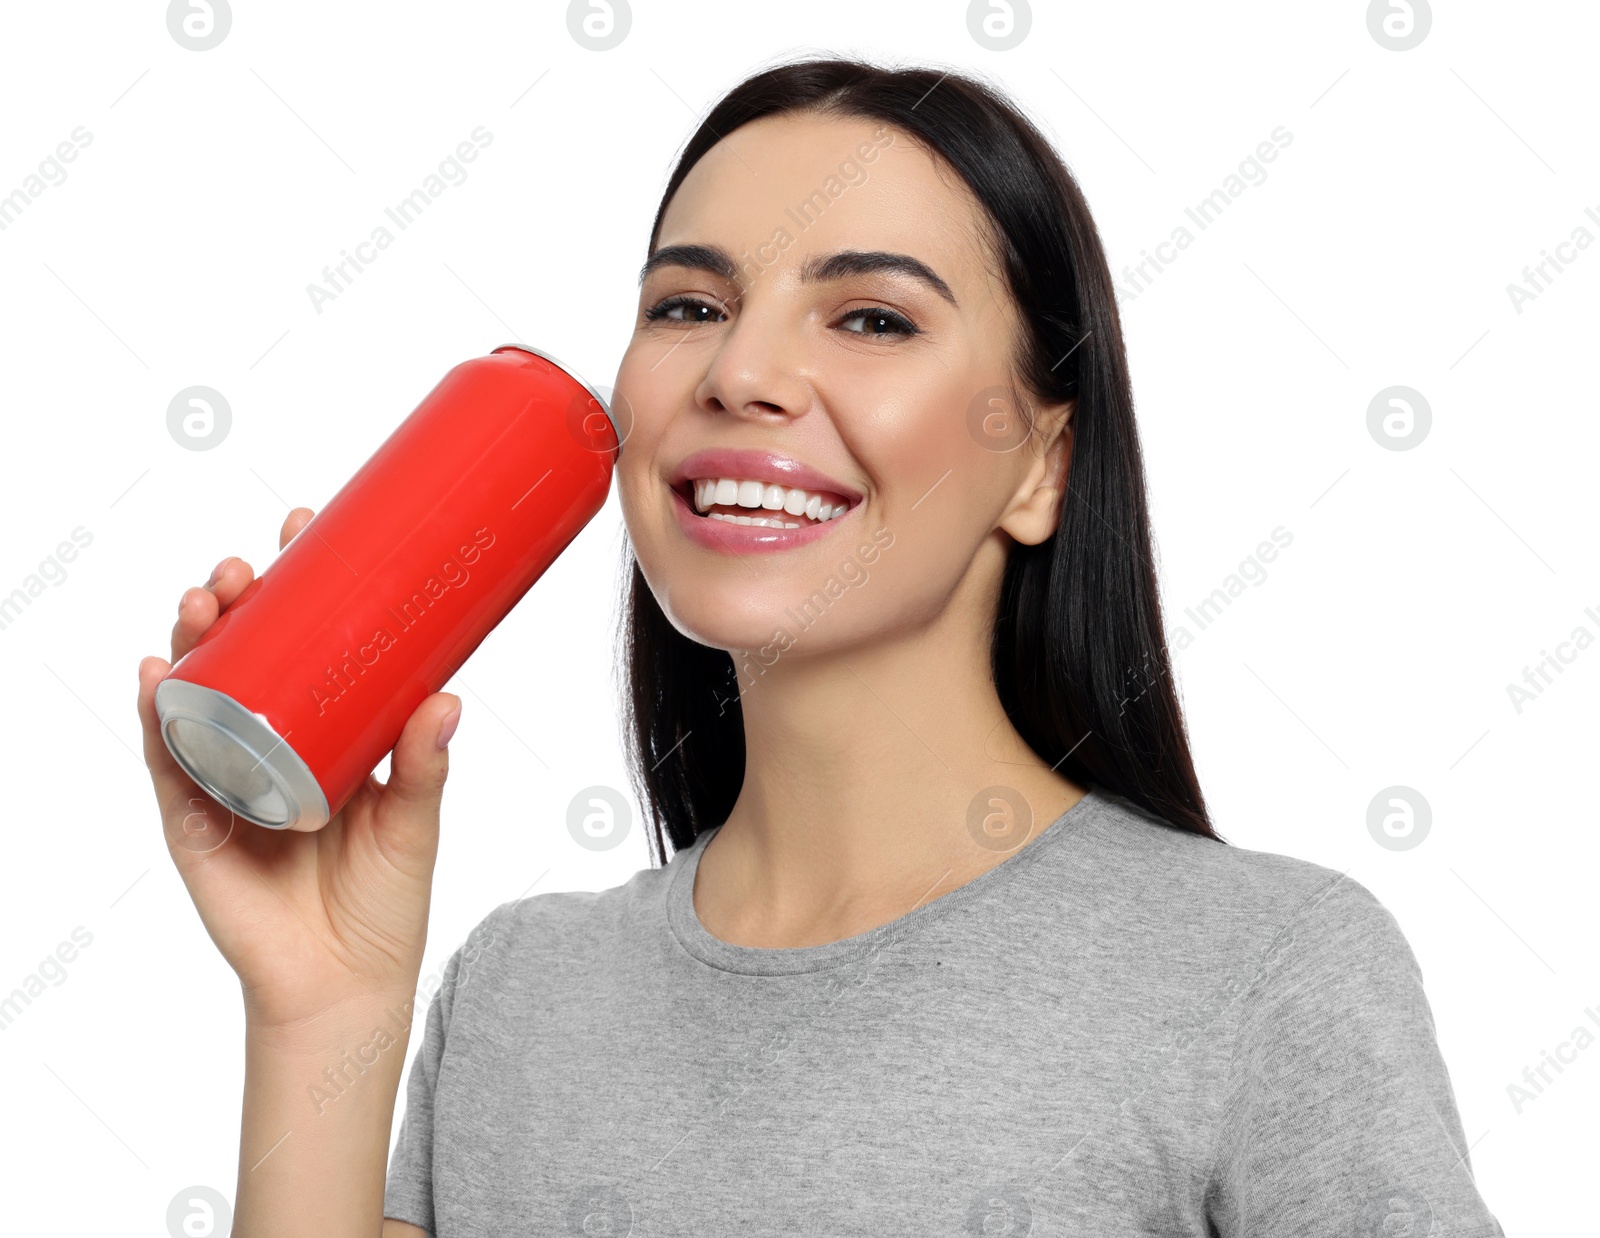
{"points": [[816, 269]]}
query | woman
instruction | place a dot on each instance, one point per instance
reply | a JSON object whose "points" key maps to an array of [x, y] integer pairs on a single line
{"points": [[947, 942]]}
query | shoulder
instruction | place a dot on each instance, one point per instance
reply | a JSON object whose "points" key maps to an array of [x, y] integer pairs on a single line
{"points": [[1307, 970], [571, 926], [1264, 909]]}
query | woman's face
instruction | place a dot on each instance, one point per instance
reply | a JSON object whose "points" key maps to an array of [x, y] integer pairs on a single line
{"points": [[764, 369]]}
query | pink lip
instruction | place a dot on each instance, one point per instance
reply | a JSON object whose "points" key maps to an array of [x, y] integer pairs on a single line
{"points": [[763, 466], [752, 465]]}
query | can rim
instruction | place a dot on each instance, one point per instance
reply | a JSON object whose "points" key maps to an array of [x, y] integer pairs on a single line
{"points": [[571, 373], [180, 699]]}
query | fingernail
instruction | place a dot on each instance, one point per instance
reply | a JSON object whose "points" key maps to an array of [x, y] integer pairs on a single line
{"points": [[216, 572], [447, 728]]}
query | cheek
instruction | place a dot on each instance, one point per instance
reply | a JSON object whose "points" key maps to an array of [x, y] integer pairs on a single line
{"points": [[934, 482], [631, 476], [636, 476], [930, 421], [927, 551]]}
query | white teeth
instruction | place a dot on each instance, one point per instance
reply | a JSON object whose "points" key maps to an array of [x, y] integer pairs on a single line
{"points": [[768, 496]]}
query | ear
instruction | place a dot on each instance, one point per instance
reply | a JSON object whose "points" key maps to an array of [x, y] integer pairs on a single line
{"points": [[1035, 511]]}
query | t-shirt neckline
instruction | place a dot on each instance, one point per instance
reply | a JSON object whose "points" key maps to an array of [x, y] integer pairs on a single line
{"points": [[699, 941]]}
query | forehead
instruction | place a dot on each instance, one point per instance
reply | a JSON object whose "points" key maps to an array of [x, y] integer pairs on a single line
{"points": [[785, 187]]}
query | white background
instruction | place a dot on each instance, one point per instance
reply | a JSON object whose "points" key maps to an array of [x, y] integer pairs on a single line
{"points": [[1376, 652]]}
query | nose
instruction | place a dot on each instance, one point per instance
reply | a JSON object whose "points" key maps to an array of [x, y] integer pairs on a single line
{"points": [[758, 371]]}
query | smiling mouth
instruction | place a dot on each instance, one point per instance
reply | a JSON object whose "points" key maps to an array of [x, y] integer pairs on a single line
{"points": [[749, 502]]}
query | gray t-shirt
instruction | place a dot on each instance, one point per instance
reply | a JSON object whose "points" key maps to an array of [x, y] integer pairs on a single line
{"points": [[1123, 1028]]}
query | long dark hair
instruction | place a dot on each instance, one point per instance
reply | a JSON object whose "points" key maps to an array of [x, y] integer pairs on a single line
{"points": [[1079, 654]]}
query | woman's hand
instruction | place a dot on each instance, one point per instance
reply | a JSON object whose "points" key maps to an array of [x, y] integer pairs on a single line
{"points": [[308, 920]]}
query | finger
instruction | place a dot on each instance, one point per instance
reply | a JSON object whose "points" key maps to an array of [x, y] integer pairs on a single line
{"points": [[229, 579], [195, 825], [296, 520], [167, 774], [197, 611], [199, 605], [418, 768]]}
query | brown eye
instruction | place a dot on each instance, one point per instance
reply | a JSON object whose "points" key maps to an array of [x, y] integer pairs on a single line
{"points": [[891, 322], [691, 305]]}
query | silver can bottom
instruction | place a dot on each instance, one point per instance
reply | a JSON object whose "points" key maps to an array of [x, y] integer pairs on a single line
{"points": [[237, 758]]}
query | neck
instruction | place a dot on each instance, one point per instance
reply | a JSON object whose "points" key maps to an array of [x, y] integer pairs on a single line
{"points": [[861, 772]]}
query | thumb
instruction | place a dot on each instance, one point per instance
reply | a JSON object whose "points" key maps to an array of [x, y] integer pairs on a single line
{"points": [[418, 766]]}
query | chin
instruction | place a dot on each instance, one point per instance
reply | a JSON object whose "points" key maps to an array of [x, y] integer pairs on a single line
{"points": [[731, 621]]}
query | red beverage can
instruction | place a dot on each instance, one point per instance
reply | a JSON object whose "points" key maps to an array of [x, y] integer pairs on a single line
{"points": [[298, 690]]}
